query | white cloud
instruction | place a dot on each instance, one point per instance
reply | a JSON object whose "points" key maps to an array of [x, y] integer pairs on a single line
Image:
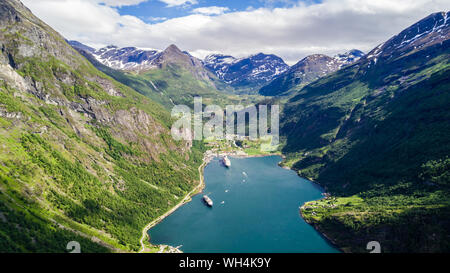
{"points": [[157, 19], [173, 3], [329, 27], [213, 10], [120, 3]]}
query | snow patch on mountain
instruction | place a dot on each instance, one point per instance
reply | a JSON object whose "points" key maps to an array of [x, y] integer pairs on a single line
{"points": [[127, 58], [252, 70], [348, 57], [432, 30]]}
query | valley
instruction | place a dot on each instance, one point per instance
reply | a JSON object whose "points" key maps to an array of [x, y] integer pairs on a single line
{"points": [[86, 151]]}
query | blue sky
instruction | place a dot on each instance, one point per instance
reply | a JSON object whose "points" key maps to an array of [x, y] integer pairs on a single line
{"points": [[157, 11], [291, 29]]}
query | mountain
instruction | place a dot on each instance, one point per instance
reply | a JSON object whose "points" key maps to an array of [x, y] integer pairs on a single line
{"points": [[86, 152], [220, 72], [138, 83], [76, 44], [127, 58], [308, 70], [82, 157], [173, 55], [168, 77], [134, 59], [348, 57], [429, 32], [219, 63], [376, 134], [246, 73], [305, 71]]}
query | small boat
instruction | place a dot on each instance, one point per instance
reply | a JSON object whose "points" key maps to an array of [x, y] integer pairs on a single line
{"points": [[208, 200], [226, 161]]}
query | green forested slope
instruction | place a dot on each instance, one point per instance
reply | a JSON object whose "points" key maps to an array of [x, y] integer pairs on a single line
{"points": [[80, 154], [376, 135]]}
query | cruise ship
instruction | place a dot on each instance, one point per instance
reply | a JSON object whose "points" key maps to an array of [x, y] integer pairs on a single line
{"points": [[208, 200], [226, 162]]}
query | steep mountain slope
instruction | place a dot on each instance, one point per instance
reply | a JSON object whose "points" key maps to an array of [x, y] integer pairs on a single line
{"points": [[219, 63], [137, 60], [376, 135], [308, 70], [169, 77], [143, 86], [82, 157], [173, 55], [246, 73], [76, 44], [127, 58]]}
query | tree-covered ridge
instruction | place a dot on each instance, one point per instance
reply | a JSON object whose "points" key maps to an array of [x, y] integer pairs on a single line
{"points": [[376, 135], [82, 157], [402, 187]]}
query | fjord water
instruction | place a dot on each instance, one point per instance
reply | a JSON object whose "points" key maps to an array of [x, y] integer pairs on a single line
{"points": [[256, 209]]}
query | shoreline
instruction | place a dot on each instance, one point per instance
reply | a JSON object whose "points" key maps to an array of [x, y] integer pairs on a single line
{"points": [[207, 158], [321, 233], [325, 194], [198, 189]]}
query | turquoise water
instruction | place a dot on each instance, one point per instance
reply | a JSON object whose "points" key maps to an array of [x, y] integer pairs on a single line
{"points": [[256, 209]]}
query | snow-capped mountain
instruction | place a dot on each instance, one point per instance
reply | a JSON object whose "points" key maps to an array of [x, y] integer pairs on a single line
{"points": [[429, 33], [348, 57], [219, 63], [308, 70], [134, 59], [432, 30], [127, 58], [246, 72]]}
